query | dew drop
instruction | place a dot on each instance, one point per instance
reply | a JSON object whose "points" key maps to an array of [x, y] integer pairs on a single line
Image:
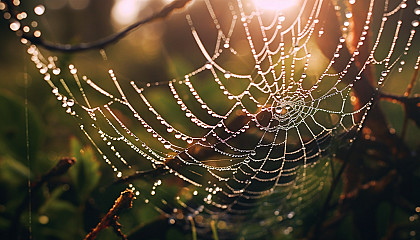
{"points": [[415, 23], [70, 102], [208, 65], [14, 26], [56, 71], [349, 14], [417, 11], [227, 74], [47, 77], [39, 10], [37, 33]]}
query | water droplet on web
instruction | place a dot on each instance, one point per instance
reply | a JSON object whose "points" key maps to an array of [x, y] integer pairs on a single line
{"points": [[47, 77], [70, 102], [14, 26], [208, 65], [56, 71], [39, 10], [417, 11], [227, 74], [37, 33], [349, 14], [282, 18], [415, 23]]}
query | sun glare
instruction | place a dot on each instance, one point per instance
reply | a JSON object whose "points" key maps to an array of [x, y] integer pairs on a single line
{"points": [[125, 11], [275, 4]]}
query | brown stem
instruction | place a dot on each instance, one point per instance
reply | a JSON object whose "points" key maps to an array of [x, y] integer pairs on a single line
{"points": [[125, 200]]}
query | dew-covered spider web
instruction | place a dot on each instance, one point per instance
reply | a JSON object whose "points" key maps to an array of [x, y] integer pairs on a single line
{"points": [[271, 94]]}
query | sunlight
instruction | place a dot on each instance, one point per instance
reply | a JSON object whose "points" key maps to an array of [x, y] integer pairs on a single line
{"points": [[125, 11], [275, 4]]}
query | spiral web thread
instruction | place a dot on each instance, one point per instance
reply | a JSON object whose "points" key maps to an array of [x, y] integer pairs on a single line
{"points": [[242, 136]]}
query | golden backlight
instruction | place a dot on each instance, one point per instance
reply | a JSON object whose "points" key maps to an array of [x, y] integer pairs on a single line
{"points": [[275, 4]]}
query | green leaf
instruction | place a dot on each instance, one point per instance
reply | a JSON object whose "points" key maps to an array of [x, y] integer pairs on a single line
{"points": [[85, 174]]}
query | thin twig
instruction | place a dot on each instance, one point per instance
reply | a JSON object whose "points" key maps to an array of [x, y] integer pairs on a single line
{"points": [[401, 99], [102, 43], [412, 82], [62, 166], [125, 200]]}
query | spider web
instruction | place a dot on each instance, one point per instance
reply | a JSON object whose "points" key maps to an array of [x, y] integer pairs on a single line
{"points": [[252, 126]]}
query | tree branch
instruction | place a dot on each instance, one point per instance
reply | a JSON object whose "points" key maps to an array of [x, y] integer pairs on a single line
{"points": [[101, 43], [125, 200]]}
